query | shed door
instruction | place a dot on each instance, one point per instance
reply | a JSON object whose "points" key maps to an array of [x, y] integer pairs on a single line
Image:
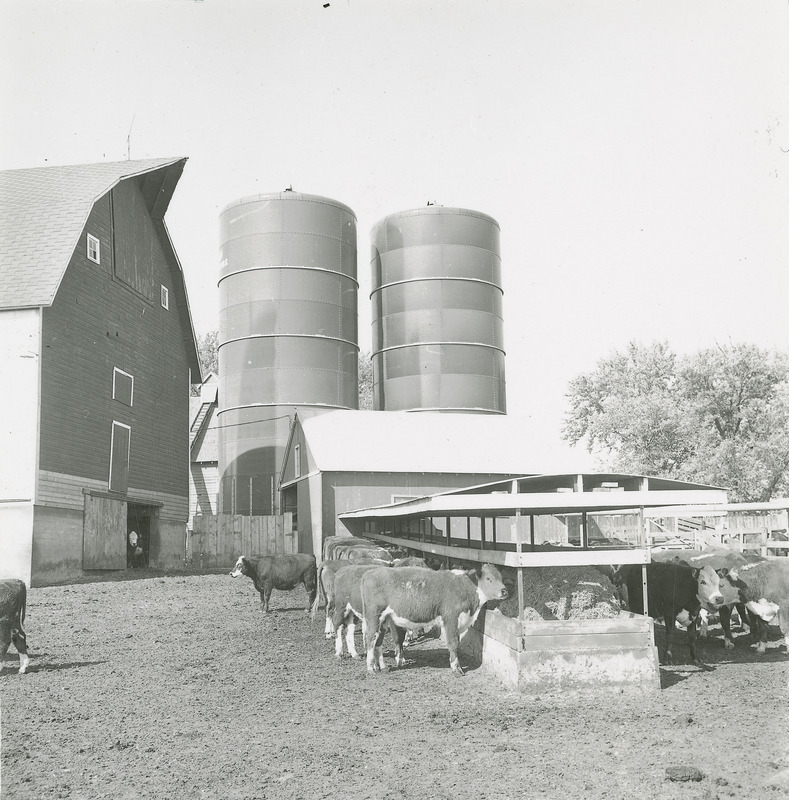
{"points": [[104, 533]]}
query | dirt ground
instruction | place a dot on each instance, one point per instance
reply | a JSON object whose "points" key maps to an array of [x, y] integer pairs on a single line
{"points": [[179, 687]]}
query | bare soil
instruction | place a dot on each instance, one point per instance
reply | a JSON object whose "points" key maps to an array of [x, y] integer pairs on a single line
{"points": [[179, 687]]}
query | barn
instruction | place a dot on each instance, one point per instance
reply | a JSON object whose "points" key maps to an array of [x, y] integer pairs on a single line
{"points": [[341, 461], [99, 346]]}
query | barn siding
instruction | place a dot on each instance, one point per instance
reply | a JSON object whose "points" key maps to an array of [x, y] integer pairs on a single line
{"points": [[96, 323]]}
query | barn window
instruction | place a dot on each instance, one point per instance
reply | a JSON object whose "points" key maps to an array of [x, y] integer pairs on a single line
{"points": [[119, 457], [297, 461], [94, 249], [165, 297], [122, 387]]}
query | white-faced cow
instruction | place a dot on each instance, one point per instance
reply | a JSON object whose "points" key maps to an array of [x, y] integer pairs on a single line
{"points": [[282, 572], [413, 597], [675, 593], [13, 605], [764, 588]]}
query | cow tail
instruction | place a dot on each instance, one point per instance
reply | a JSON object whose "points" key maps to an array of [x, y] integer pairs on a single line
{"points": [[319, 594]]}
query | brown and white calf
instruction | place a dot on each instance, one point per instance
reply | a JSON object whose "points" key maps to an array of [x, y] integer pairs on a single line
{"points": [[13, 605], [413, 597], [348, 604]]}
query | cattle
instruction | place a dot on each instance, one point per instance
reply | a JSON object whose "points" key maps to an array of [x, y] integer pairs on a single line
{"points": [[13, 606], [283, 572], [413, 597], [675, 593], [722, 559], [327, 570], [348, 604], [763, 586], [410, 561]]}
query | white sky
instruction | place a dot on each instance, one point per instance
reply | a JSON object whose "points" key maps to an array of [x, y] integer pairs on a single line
{"points": [[635, 154]]}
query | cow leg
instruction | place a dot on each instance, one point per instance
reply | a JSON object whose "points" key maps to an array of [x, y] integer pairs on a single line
{"points": [[398, 639], [338, 623], [669, 619], [350, 632], [328, 631], [453, 641], [311, 587], [338, 641], [783, 622], [265, 595], [693, 633], [19, 639], [724, 612]]}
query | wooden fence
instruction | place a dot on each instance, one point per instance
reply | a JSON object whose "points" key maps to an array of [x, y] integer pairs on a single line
{"points": [[216, 542]]}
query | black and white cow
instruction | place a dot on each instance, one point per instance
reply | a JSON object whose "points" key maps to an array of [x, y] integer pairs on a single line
{"points": [[282, 572], [763, 586], [13, 606], [675, 593], [413, 597]]}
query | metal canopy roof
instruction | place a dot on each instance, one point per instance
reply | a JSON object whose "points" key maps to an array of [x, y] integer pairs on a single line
{"points": [[526, 496]]}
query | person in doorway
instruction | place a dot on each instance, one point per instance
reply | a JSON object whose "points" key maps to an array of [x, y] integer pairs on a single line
{"points": [[134, 549]]}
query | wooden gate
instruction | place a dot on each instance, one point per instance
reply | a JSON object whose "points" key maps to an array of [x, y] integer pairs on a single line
{"points": [[218, 541], [104, 533]]}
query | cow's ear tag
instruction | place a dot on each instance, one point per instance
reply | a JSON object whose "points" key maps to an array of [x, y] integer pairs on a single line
{"points": [[734, 575]]}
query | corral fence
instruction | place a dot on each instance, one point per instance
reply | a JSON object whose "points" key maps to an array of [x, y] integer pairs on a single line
{"points": [[216, 541]]}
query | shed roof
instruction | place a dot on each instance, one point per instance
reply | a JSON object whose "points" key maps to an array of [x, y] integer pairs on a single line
{"points": [[42, 214], [402, 441]]}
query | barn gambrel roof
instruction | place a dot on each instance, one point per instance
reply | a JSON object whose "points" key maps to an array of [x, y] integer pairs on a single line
{"points": [[43, 212]]}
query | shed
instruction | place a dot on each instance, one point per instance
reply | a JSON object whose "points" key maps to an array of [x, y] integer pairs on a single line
{"points": [[340, 461], [99, 346]]}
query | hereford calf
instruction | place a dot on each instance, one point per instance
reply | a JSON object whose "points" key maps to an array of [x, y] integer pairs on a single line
{"points": [[413, 597], [13, 605], [348, 604], [327, 571], [279, 572], [764, 588]]}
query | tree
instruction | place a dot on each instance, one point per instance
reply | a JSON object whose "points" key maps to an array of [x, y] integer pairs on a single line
{"points": [[208, 352], [365, 382], [208, 355], [720, 416]]}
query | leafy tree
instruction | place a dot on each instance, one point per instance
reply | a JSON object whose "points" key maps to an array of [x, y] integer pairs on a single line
{"points": [[208, 352], [720, 416], [365, 382]]}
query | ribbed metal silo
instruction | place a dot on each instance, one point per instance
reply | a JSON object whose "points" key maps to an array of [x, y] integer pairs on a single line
{"points": [[437, 312], [288, 334]]}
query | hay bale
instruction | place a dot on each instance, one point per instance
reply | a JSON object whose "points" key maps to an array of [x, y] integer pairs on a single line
{"points": [[553, 593]]}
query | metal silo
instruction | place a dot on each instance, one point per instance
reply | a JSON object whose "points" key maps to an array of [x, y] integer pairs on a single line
{"points": [[288, 335], [437, 312]]}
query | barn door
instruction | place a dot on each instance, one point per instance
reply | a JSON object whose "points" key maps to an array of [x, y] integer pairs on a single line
{"points": [[104, 533]]}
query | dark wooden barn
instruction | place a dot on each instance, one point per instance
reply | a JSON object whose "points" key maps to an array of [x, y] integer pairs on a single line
{"points": [[98, 353]]}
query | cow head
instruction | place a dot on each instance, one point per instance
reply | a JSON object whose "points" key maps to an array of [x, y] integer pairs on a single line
{"points": [[490, 584], [241, 567], [709, 590]]}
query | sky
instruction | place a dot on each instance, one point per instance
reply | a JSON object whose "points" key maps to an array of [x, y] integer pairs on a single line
{"points": [[634, 152]]}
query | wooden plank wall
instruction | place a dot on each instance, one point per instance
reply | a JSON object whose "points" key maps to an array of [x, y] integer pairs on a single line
{"points": [[218, 540]]}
